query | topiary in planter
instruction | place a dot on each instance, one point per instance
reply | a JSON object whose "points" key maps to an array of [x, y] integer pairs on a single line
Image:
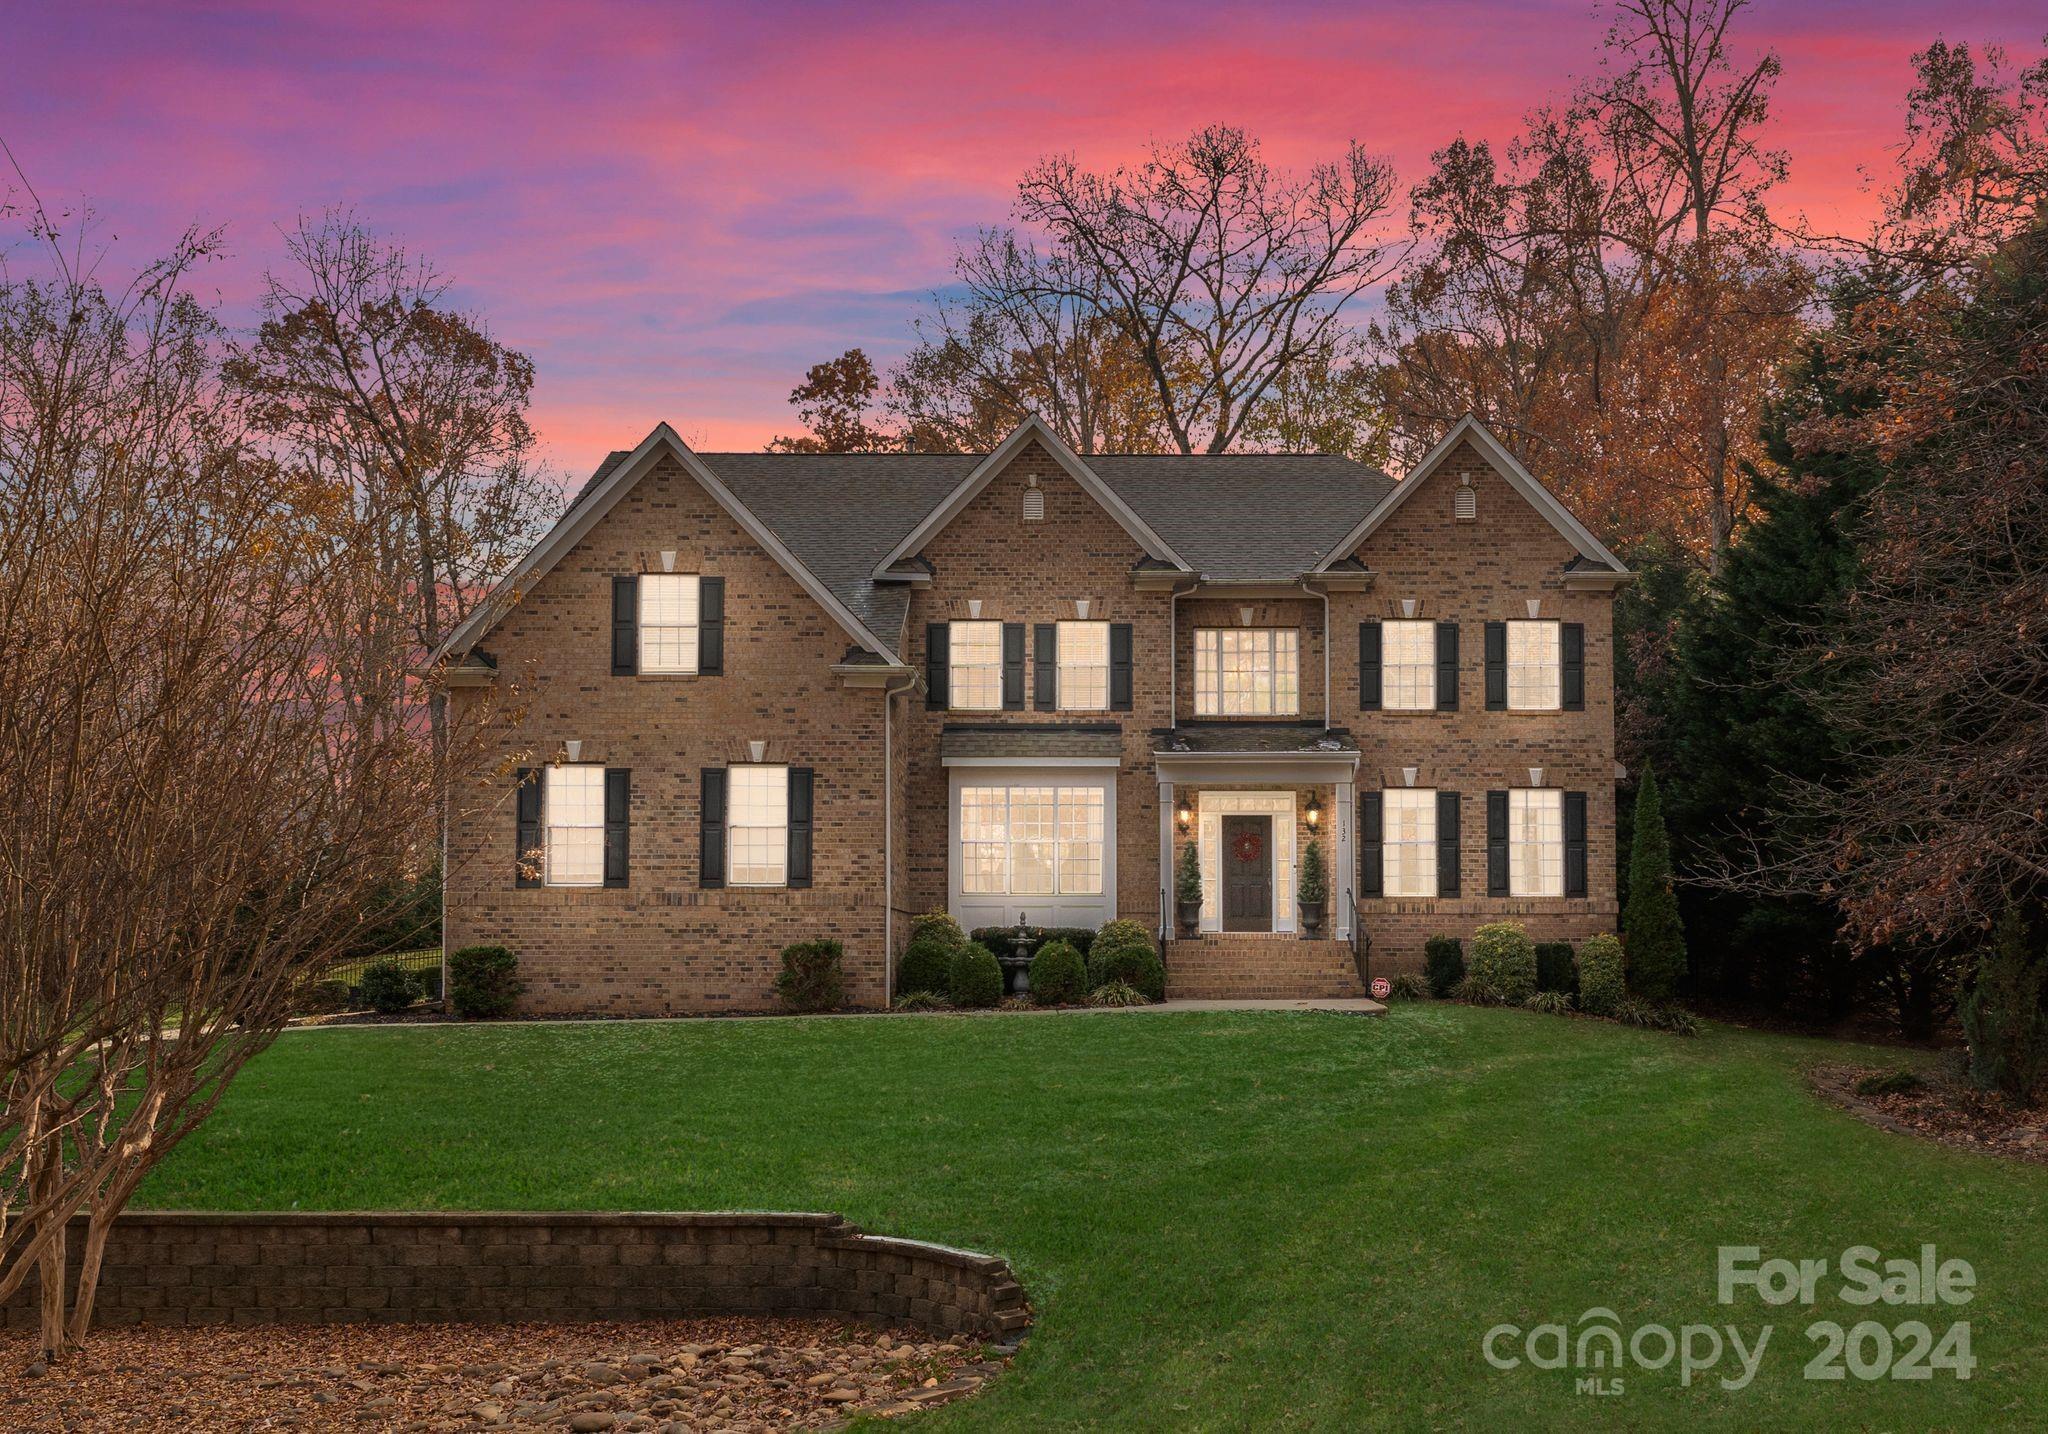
{"points": [[812, 978], [977, 978], [927, 962], [1504, 961], [1601, 985], [1123, 951], [1554, 971], [1058, 974], [483, 982], [1443, 958], [389, 988]]}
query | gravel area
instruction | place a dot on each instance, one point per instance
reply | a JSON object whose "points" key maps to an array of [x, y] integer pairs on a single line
{"points": [[676, 1376]]}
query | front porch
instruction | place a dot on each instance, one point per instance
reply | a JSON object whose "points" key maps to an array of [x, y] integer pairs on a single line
{"points": [[1236, 967]]}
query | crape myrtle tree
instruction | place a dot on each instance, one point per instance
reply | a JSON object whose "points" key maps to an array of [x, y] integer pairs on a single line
{"points": [[206, 777]]}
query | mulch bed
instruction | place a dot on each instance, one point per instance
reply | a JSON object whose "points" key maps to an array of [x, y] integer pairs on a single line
{"points": [[673, 1376], [1941, 1109]]}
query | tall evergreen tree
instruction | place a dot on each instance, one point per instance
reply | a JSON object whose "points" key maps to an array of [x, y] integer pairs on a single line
{"points": [[1650, 926]]}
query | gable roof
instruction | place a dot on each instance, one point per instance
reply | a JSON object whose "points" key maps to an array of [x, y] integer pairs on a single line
{"points": [[1033, 427], [1504, 463], [611, 482]]}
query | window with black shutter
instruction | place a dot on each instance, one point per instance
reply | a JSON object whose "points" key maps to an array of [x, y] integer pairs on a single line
{"points": [[711, 829], [1496, 667], [1120, 667], [1371, 880], [1572, 646], [1045, 666], [1013, 667], [618, 822], [1447, 667], [937, 641], [1496, 843], [711, 627], [625, 625], [801, 825], [526, 849], [1369, 666], [1574, 843], [1447, 822]]}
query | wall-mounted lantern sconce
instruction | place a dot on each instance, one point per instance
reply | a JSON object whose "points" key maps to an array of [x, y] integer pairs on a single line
{"points": [[1185, 816], [1314, 814]]}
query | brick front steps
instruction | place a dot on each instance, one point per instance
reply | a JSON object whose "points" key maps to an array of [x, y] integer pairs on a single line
{"points": [[1233, 966]]}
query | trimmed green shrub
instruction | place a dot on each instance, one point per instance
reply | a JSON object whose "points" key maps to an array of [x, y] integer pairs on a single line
{"points": [[1058, 974], [1554, 970], [1504, 958], [812, 977], [1118, 993], [1123, 951], [1444, 959], [1550, 1003], [1652, 934], [1312, 885], [388, 987], [941, 924], [927, 962], [977, 978], [483, 982], [2005, 1013], [1601, 986], [1003, 939], [321, 998], [1187, 875], [1408, 987], [922, 1001], [1889, 1083]]}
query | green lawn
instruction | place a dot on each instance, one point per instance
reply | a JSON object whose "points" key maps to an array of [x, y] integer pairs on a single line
{"points": [[1224, 1220]]}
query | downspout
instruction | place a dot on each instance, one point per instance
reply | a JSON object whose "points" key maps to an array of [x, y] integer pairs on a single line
{"points": [[889, 695]]}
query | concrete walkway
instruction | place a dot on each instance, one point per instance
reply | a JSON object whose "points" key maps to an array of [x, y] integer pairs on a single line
{"points": [[1336, 1005]]}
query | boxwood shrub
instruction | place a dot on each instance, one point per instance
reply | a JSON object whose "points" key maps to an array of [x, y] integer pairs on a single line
{"points": [[976, 978], [1443, 958], [1504, 961], [927, 962], [483, 982], [1058, 974], [1601, 982], [388, 987], [1123, 951], [1554, 970], [812, 977]]}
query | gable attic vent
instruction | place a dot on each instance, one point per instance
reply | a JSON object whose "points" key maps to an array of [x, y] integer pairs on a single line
{"points": [[1034, 502], [1465, 506]]}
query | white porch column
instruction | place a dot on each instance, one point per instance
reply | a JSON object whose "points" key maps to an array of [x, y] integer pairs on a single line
{"points": [[1165, 860], [1344, 884]]}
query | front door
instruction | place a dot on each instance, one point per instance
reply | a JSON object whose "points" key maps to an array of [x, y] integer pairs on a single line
{"points": [[1247, 873]]}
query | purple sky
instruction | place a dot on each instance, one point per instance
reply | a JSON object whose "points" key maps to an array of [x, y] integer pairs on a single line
{"points": [[677, 208]]}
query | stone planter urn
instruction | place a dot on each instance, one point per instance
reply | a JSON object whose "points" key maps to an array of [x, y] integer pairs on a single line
{"points": [[1189, 915], [1312, 923]]}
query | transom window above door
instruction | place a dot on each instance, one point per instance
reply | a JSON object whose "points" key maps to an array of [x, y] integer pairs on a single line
{"points": [[975, 655], [1247, 672], [1083, 666], [668, 622]]}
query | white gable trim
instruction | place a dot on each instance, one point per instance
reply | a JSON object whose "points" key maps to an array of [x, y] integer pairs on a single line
{"points": [[1504, 463], [986, 470], [576, 524]]}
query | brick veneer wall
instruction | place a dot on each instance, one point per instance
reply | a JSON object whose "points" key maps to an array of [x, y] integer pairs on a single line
{"points": [[195, 1268]]}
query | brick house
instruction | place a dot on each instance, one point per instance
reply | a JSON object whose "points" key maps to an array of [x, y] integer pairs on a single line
{"points": [[769, 697]]}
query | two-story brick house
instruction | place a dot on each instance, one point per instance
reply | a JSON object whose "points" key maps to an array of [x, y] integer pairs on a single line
{"points": [[770, 697]]}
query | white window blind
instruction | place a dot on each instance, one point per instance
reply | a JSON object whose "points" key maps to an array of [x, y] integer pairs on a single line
{"points": [[1247, 672], [1084, 666], [572, 805], [1408, 841], [975, 659], [757, 826], [1408, 666], [668, 622], [1535, 842], [1535, 666]]}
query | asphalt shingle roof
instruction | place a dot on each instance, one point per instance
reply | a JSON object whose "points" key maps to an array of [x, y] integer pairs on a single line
{"points": [[1235, 516], [1253, 737], [1031, 739]]}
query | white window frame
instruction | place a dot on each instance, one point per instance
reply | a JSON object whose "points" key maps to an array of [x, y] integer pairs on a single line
{"points": [[1535, 685], [956, 669], [1274, 652], [1535, 841], [684, 631], [1408, 682], [1060, 799], [1408, 857], [553, 805], [772, 778], [1073, 695]]}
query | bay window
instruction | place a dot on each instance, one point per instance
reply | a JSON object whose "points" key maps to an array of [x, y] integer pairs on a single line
{"points": [[1031, 840]]}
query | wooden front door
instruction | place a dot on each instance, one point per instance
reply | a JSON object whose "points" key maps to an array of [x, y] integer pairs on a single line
{"points": [[1247, 873]]}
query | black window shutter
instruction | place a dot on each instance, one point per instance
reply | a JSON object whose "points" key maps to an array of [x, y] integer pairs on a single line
{"points": [[1045, 666], [711, 627], [1447, 667], [1120, 667], [711, 830], [618, 823], [937, 644], [1447, 824], [527, 842], [800, 826], [1572, 640], [1371, 881], [1368, 667], [1496, 843], [1496, 667], [1013, 667], [1574, 843], [625, 625]]}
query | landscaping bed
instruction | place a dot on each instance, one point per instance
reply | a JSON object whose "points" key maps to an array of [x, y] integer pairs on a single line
{"points": [[1937, 1107], [740, 1374]]}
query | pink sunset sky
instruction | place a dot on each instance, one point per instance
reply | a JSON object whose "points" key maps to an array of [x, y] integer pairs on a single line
{"points": [[677, 208]]}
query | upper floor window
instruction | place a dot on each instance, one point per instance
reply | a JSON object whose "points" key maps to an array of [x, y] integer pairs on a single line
{"points": [[1535, 842], [668, 622], [573, 798], [757, 827], [1247, 672], [1408, 666], [1408, 849], [1535, 666], [1084, 666], [975, 655]]}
